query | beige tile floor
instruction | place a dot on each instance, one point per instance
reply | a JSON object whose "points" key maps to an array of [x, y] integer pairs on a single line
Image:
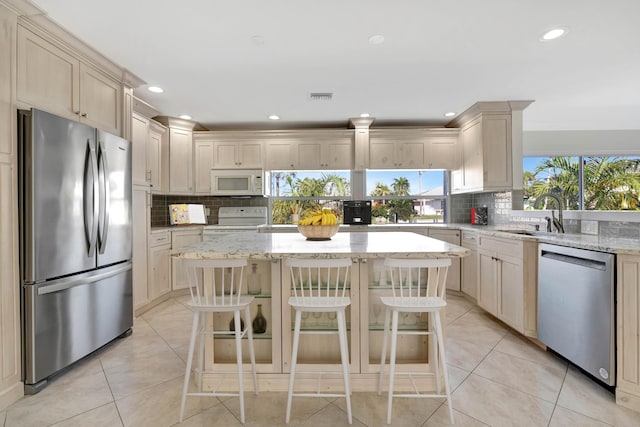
{"points": [[498, 379]]}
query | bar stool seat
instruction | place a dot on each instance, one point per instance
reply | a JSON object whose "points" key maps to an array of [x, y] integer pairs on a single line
{"points": [[216, 287], [319, 285], [418, 286]]}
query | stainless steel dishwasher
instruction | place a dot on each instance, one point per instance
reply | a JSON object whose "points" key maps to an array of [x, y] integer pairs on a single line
{"points": [[576, 307]]}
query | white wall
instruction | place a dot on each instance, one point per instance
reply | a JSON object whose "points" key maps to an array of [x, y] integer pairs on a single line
{"points": [[576, 142]]}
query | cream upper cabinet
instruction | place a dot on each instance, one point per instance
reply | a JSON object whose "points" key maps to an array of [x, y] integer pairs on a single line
{"points": [[139, 143], [180, 161], [326, 149], [281, 154], [422, 148], [233, 154], [441, 150], [203, 153], [157, 157], [484, 153], [507, 281], [54, 80]]}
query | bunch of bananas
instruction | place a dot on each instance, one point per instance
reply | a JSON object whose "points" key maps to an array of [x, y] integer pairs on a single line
{"points": [[319, 217]]}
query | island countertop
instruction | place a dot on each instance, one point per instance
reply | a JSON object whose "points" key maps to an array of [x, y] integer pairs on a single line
{"points": [[283, 245]]}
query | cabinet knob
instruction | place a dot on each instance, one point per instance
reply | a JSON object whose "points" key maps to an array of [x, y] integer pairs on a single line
{"points": [[84, 115], [77, 113]]}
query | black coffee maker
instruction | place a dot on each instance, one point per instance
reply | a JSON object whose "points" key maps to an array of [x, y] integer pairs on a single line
{"points": [[357, 212]]}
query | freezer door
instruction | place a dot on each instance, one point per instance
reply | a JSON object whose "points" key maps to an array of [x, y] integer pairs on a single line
{"points": [[114, 230], [59, 196], [66, 319]]}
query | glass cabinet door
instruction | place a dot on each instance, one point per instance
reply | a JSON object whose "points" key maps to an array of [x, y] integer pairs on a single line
{"points": [[321, 352], [263, 283], [411, 349]]}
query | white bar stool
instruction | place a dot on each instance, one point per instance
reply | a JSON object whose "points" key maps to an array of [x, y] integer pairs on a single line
{"points": [[319, 285], [216, 287], [418, 286]]}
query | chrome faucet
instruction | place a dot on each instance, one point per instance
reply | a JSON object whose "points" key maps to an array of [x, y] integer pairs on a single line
{"points": [[557, 222]]}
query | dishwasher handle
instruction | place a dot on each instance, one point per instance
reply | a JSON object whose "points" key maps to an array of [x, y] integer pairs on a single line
{"points": [[582, 262]]}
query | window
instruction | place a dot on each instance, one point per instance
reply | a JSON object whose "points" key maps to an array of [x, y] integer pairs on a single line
{"points": [[400, 195], [584, 182], [406, 195], [293, 192]]}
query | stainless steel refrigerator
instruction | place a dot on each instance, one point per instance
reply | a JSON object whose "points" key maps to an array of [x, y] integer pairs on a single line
{"points": [[75, 242]]}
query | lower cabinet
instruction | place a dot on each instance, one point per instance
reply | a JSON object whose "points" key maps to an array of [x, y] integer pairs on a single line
{"points": [[628, 331], [507, 281], [159, 265], [180, 239], [469, 265], [140, 239], [453, 237]]}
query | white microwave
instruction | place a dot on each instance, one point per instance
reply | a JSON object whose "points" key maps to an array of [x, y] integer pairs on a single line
{"points": [[236, 182]]}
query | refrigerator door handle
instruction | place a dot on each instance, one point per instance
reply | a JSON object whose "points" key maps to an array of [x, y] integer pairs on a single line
{"points": [[105, 195], [91, 230], [62, 284]]}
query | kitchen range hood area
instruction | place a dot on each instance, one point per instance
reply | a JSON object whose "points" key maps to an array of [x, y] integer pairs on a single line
{"points": [[101, 192]]}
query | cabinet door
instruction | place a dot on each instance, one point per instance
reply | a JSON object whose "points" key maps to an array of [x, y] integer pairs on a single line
{"points": [[469, 273], [510, 301], [310, 156], [180, 239], [139, 143], [338, 155], [156, 157], [181, 162], [160, 271], [203, 165], [453, 237], [225, 155], [47, 77], [250, 155], [487, 282], [497, 152], [140, 229], [410, 155], [100, 100], [441, 153], [382, 155], [281, 155], [472, 165]]}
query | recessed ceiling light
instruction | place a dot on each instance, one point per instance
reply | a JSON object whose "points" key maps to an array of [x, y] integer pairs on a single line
{"points": [[274, 117], [376, 39], [449, 114], [185, 117], [553, 34], [155, 89], [257, 40], [364, 115]]}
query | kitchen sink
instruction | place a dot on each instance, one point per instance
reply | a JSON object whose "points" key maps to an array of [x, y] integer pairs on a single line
{"points": [[517, 231]]}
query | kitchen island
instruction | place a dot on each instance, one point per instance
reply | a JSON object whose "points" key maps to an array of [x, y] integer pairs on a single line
{"points": [[364, 317]]}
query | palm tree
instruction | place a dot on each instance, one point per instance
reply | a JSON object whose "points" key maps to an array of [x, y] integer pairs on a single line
{"points": [[610, 183], [381, 190], [400, 186]]}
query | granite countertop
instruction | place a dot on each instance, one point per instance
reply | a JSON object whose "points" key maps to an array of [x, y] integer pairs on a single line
{"points": [[281, 245], [176, 228], [616, 245]]}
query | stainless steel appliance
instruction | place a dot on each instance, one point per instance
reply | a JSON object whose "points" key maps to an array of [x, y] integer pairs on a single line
{"points": [[576, 307], [236, 219], [356, 212], [75, 242], [236, 182]]}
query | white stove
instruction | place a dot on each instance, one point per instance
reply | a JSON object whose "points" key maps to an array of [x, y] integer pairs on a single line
{"points": [[237, 219]]}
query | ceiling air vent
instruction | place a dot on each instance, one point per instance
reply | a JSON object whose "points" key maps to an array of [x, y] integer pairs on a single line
{"points": [[320, 96]]}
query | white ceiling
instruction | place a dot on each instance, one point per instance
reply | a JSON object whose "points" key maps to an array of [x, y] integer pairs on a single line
{"points": [[438, 56]]}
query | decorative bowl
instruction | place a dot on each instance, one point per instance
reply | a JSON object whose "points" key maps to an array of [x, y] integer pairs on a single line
{"points": [[318, 232]]}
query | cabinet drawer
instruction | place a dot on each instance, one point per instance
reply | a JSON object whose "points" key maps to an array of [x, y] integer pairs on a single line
{"points": [[506, 247], [469, 239], [159, 239]]}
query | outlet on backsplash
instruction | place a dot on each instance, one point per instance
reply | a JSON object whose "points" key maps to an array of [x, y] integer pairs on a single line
{"points": [[588, 227]]}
